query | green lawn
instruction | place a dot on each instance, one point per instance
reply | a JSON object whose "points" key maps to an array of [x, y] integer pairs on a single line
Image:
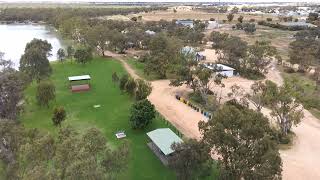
{"points": [[139, 68], [110, 117]]}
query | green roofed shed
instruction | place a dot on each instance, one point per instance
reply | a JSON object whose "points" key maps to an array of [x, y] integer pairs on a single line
{"points": [[163, 138]]}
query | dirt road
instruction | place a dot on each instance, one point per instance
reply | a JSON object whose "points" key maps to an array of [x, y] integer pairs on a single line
{"points": [[299, 162]]}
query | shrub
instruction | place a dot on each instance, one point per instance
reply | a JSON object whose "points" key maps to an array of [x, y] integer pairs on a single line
{"points": [[289, 70], [252, 20], [269, 19], [142, 113], [143, 89], [239, 26], [130, 86], [59, 115], [249, 28], [83, 55], [123, 81], [45, 93]]}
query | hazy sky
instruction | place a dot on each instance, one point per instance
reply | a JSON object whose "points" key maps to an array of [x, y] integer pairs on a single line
{"points": [[162, 0]]}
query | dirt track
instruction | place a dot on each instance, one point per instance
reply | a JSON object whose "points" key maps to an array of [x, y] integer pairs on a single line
{"points": [[299, 162]]}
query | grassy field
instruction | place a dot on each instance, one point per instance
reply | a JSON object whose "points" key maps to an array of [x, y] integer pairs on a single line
{"points": [[139, 68], [109, 118], [311, 95]]}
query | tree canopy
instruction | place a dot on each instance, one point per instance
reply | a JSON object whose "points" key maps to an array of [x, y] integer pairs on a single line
{"points": [[244, 143]]}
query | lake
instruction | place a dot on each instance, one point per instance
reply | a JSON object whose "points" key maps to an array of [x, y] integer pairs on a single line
{"points": [[13, 39]]}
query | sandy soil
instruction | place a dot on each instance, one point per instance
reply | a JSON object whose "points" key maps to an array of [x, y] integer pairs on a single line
{"points": [[299, 162]]}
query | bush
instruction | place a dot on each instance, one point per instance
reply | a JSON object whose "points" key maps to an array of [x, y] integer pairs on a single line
{"points": [[45, 93], [269, 19], [130, 86], [59, 115], [289, 70], [249, 28], [252, 74], [142, 113], [252, 20], [123, 81], [143, 89], [83, 55], [239, 26]]}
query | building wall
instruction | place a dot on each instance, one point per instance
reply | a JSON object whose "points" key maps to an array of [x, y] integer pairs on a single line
{"points": [[226, 73]]}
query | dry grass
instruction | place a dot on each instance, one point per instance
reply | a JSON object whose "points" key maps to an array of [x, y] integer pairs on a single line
{"points": [[190, 14]]}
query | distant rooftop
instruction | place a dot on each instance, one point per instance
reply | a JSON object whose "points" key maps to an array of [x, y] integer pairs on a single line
{"points": [[163, 138]]}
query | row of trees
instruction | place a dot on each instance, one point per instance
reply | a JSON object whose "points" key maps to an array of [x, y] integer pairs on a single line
{"points": [[142, 111]]}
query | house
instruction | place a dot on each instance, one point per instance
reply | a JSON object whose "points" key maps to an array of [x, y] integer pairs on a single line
{"points": [[161, 143], [187, 23], [221, 69]]}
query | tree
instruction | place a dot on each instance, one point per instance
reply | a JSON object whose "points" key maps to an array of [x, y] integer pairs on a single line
{"points": [[61, 54], [305, 50], [269, 19], [39, 44], [135, 19], [142, 113], [285, 108], [123, 81], [70, 52], [118, 41], [244, 143], [312, 17], [191, 160], [59, 115], [83, 55], [131, 86], [34, 61], [97, 38], [115, 77], [45, 93], [316, 77], [230, 17], [240, 19], [249, 28], [260, 55], [164, 52], [143, 89], [12, 85]]}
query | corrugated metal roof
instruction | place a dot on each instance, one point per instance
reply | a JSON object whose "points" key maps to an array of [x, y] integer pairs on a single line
{"points": [[79, 78], [163, 138]]}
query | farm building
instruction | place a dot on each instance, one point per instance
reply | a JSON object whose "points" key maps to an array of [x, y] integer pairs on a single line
{"points": [[161, 141], [187, 23], [221, 69]]}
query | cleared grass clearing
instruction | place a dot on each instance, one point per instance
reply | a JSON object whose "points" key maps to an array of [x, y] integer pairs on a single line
{"points": [[112, 116]]}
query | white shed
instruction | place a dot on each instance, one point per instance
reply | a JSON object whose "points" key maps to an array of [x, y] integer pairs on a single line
{"points": [[221, 69]]}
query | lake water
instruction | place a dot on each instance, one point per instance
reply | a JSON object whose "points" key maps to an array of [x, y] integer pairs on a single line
{"points": [[13, 39]]}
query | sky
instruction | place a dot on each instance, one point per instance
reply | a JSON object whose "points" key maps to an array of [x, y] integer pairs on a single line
{"points": [[162, 0]]}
